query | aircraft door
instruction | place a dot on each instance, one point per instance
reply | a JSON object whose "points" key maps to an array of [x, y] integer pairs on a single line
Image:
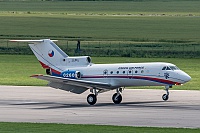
{"points": [[130, 74]]}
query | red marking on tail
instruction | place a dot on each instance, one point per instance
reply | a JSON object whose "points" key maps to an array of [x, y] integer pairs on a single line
{"points": [[44, 65]]}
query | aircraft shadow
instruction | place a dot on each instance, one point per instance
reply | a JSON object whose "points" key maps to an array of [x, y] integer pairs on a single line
{"points": [[143, 104]]}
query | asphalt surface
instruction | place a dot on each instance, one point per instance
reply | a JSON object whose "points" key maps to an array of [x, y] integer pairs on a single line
{"points": [[138, 108]]}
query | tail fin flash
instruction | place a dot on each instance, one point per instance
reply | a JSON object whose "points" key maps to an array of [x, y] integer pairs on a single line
{"points": [[47, 52]]}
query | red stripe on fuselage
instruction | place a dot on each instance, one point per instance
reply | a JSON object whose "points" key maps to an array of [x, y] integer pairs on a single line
{"points": [[138, 77], [155, 79]]}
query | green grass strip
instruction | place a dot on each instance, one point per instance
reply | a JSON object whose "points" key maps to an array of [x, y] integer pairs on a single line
{"points": [[6, 127], [116, 20], [16, 69]]}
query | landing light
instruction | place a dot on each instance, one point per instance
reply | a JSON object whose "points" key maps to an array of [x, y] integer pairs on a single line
{"points": [[178, 84]]}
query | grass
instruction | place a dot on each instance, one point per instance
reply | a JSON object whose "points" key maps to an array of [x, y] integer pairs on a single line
{"points": [[104, 7], [114, 49], [170, 26], [16, 69], [102, 20], [101, 27], [63, 128]]}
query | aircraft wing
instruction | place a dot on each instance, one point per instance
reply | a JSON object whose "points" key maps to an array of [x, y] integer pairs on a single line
{"points": [[73, 85]]}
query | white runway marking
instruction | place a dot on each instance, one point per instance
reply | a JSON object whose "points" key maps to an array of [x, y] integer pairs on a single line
{"points": [[138, 107]]}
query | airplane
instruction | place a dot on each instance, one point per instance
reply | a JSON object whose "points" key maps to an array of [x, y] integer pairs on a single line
{"points": [[79, 74]]}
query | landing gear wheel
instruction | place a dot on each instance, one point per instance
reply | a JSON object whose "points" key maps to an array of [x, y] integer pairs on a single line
{"points": [[91, 99], [165, 97], [117, 98]]}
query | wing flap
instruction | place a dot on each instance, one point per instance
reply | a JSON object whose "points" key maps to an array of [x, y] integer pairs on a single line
{"points": [[70, 88], [77, 84]]}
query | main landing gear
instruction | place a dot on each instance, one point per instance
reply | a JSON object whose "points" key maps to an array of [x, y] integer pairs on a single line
{"points": [[92, 98], [165, 97], [117, 97]]}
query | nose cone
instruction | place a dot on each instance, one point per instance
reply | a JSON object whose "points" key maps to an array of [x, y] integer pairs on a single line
{"points": [[185, 77]]}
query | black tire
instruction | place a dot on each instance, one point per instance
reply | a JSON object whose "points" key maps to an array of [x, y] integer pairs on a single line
{"points": [[117, 100], [165, 97], [91, 99]]}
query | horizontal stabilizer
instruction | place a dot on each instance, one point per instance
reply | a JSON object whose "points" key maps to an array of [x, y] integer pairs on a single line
{"points": [[30, 41]]}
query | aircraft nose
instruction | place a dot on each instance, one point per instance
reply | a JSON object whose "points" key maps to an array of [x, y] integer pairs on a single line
{"points": [[185, 77]]}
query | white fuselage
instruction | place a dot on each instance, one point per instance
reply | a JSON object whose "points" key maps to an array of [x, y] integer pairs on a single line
{"points": [[132, 74]]}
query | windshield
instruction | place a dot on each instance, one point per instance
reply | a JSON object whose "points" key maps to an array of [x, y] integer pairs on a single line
{"points": [[170, 68], [173, 67]]}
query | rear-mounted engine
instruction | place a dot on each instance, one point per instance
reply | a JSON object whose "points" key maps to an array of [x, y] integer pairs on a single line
{"points": [[71, 74]]}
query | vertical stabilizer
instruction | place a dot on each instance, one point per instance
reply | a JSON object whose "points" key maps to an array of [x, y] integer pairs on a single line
{"points": [[48, 53]]}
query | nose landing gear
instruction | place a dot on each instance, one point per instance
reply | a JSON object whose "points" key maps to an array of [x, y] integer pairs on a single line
{"points": [[165, 97]]}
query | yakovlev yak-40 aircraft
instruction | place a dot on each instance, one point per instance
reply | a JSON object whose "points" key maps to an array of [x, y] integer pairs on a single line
{"points": [[78, 74]]}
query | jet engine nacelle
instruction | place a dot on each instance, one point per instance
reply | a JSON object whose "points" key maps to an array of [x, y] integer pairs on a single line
{"points": [[71, 74]]}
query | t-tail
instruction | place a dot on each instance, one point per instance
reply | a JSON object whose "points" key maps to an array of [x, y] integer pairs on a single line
{"points": [[52, 58]]}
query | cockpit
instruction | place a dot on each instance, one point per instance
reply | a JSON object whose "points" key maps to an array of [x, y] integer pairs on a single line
{"points": [[170, 68]]}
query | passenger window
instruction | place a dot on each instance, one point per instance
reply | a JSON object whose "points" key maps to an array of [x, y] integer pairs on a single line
{"points": [[111, 72], [136, 71], [124, 72], [129, 71], [142, 71], [117, 72], [105, 71]]}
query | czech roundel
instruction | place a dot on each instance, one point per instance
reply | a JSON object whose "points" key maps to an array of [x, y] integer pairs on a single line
{"points": [[51, 53]]}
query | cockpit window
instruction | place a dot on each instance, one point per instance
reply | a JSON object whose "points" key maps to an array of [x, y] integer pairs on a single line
{"points": [[170, 68], [177, 68], [174, 67], [164, 68]]}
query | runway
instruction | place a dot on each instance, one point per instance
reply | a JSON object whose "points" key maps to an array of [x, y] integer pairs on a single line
{"points": [[138, 108]]}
